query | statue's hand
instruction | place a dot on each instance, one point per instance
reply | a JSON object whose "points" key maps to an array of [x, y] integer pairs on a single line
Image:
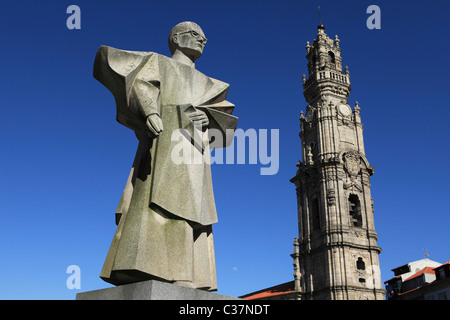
{"points": [[154, 125], [199, 117]]}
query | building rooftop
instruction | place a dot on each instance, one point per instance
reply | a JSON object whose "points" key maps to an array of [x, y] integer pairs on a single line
{"points": [[424, 270], [405, 283], [448, 262], [281, 289]]}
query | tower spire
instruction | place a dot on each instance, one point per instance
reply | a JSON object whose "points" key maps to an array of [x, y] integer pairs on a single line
{"points": [[320, 18], [319, 12]]}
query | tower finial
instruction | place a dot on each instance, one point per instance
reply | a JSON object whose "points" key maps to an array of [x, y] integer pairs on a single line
{"points": [[321, 26], [320, 18]]}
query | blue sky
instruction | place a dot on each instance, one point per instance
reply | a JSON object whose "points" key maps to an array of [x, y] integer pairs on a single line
{"points": [[65, 159]]}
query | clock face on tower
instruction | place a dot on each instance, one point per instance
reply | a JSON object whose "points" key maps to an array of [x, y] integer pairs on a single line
{"points": [[345, 110]]}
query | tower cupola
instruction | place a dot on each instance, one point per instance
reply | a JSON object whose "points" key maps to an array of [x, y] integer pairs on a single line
{"points": [[325, 73]]}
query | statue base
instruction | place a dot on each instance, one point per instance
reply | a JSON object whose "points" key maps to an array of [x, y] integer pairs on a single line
{"points": [[151, 290]]}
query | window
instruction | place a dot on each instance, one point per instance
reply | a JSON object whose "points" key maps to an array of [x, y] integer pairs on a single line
{"points": [[315, 214], [331, 57], [442, 296], [401, 270], [355, 210], [360, 265]]}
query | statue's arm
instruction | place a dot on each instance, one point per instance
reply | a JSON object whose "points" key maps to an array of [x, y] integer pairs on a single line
{"points": [[144, 102], [132, 77]]}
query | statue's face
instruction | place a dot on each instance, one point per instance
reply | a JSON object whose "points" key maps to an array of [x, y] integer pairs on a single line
{"points": [[191, 42]]}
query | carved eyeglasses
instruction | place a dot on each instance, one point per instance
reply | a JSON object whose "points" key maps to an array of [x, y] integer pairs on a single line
{"points": [[195, 34]]}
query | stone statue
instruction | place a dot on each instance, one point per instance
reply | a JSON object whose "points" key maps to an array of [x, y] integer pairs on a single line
{"points": [[167, 209]]}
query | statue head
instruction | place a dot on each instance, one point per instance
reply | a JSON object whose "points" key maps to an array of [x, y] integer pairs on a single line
{"points": [[188, 38]]}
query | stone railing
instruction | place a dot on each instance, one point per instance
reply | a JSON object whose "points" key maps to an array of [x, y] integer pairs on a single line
{"points": [[333, 75]]}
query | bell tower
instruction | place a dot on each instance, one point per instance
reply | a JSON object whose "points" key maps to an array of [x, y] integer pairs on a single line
{"points": [[338, 252]]}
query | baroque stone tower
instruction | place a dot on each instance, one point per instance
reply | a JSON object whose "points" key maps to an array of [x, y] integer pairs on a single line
{"points": [[338, 252]]}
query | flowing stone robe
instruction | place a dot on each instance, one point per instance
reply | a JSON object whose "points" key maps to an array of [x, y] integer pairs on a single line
{"points": [[166, 212]]}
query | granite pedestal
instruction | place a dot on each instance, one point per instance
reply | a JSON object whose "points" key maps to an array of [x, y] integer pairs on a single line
{"points": [[151, 290]]}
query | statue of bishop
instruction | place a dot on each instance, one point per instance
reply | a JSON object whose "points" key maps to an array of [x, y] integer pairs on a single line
{"points": [[167, 209]]}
